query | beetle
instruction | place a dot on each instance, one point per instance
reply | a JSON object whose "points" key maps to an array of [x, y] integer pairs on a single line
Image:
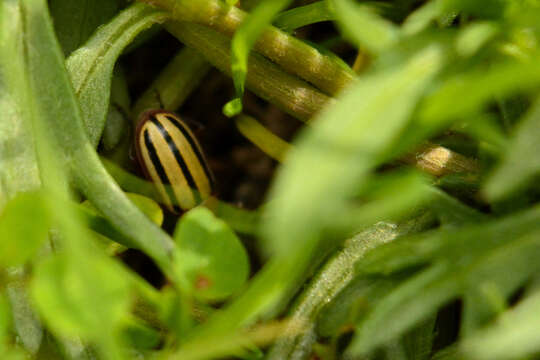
{"points": [[172, 159]]}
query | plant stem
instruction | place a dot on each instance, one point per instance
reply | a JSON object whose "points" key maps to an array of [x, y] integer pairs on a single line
{"points": [[439, 161], [264, 78], [290, 53], [174, 84], [264, 139], [294, 96]]}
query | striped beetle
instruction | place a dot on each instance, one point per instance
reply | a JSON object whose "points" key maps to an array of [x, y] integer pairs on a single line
{"points": [[172, 158]]}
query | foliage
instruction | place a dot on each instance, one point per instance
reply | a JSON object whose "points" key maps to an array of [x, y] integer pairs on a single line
{"points": [[402, 222]]}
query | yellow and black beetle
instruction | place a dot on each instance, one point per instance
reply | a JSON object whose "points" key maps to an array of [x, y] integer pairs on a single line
{"points": [[172, 158]]}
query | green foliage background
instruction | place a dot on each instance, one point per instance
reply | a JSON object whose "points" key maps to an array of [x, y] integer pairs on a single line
{"points": [[366, 257]]}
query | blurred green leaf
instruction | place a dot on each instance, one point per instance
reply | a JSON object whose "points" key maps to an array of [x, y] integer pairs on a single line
{"points": [[141, 336], [362, 26], [75, 21], [18, 163], [28, 327], [481, 86], [242, 43], [224, 266], [422, 17], [474, 37], [24, 226], [514, 335], [500, 254], [74, 299], [91, 66], [520, 163]]}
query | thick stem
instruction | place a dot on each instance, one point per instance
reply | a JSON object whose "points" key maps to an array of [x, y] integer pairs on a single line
{"points": [[439, 161], [296, 97], [264, 139], [264, 78], [290, 53]]}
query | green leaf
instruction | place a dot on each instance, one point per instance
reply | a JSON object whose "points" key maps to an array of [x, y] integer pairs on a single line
{"points": [[18, 163], [514, 335], [140, 336], [501, 257], [61, 121], [73, 297], [520, 163], [481, 86], [474, 37], [24, 226], [91, 66], [223, 263], [362, 26], [244, 39], [75, 21]]}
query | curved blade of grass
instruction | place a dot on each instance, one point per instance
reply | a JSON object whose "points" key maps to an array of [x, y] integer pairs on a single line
{"points": [[91, 66], [304, 15], [57, 107], [243, 40]]}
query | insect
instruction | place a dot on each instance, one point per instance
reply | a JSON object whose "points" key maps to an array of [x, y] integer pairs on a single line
{"points": [[173, 160]]}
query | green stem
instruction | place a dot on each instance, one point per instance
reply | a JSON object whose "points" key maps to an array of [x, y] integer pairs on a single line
{"points": [[337, 273], [270, 144], [290, 53], [295, 96], [264, 78], [174, 84]]}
